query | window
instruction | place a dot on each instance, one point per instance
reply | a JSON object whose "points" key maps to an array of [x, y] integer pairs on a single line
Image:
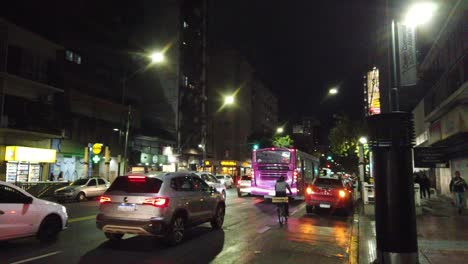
{"points": [[79, 182], [92, 182], [186, 25], [185, 81], [10, 195], [200, 185], [182, 184], [69, 55], [101, 182], [331, 182], [212, 178], [72, 57], [129, 185]]}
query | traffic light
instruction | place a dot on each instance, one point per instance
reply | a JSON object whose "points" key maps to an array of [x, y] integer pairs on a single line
{"points": [[329, 158], [255, 147], [328, 165]]}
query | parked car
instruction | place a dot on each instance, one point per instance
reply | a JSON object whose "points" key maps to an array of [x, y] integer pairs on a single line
{"points": [[225, 179], [23, 215], [328, 193], [162, 206], [82, 189], [213, 182], [244, 185]]}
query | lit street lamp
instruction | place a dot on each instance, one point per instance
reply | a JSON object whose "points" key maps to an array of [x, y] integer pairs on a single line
{"points": [[363, 140], [280, 130], [229, 100], [157, 57], [420, 13], [333, 91]]}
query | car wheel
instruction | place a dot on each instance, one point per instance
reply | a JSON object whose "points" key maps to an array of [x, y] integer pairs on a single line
{"points": [[113, 236], [218, 219], [49, 228], [176, 231], [309, 209], [81, 197]]}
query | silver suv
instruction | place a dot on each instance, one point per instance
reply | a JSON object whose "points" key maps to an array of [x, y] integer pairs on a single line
{"points": [[159, 205]]}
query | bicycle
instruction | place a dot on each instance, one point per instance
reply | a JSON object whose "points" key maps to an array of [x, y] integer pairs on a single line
{"points": [[281, 209]]}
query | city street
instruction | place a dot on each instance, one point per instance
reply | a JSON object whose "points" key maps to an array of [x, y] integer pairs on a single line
{"points": [[251, 234]]}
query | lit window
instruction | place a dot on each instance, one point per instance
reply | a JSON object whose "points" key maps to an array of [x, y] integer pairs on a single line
{"points": [[185, 24], [77, 59], [69, 55], [185, 81]]}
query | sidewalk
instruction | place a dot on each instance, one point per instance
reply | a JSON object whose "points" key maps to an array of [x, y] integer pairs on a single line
{"points": [[442, 234]]}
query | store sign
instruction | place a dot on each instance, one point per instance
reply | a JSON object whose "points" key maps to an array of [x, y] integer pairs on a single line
{"points": [[373, 92], [207, 163], [97, 148], [37, 155], [231, 163], [430, 157]]}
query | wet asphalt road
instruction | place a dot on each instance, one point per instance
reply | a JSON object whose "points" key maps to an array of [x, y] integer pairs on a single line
{"points": [[251, 234]]}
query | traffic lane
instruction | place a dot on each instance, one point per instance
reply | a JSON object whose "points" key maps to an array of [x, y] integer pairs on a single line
{"points": [[81, 236]]}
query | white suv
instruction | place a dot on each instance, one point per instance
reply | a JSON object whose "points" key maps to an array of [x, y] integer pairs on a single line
{"points": [[212, 182], [22, 215]]}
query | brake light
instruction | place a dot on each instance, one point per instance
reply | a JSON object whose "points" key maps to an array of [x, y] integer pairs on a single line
{"points": [[309, 190], [252, 174], [238, 182], [104, 199], [342, 193], [136, 178], [158, 202], [295, 174]]}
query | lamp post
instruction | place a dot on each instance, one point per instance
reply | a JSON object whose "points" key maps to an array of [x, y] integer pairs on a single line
{"points": [[279, 130], [333, 91], [155, 58]]}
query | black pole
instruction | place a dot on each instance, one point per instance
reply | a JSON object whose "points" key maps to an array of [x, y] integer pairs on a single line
{"points": [[391, 141], [395, 97]]}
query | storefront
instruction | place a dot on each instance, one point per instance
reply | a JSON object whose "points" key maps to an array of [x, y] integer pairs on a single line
{"points": [[26, 164], [230, 167]]}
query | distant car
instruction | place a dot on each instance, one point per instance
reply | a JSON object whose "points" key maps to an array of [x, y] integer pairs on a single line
{"points": [[329, 193], [23, 215], [82, 189], [226, 180], [213, 182], [244, 185], [159, 205]]}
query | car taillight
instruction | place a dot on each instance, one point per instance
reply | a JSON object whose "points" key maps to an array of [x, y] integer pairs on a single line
{"points": [[295, 174], [104, 199], [309, 190], [136, 178], [158, 202], [342, 193], [252, 174], [238, 182]]}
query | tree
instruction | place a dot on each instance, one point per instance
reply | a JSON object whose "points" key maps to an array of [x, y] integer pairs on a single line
{"points": [[344, 138], [283, 141]]}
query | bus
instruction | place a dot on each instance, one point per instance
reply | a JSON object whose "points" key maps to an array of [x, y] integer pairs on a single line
{"points": [[297, 167]]}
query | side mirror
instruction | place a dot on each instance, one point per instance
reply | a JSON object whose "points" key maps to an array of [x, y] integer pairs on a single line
{"points": [[28, 200]]}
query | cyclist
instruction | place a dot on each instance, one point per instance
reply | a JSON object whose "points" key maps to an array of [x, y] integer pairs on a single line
{"points": [[280, 189]]}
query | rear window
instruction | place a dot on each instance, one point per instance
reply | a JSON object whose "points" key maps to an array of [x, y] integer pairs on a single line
{"points": [[135, 185], [220, 177], [332, 182], [245, 178]]}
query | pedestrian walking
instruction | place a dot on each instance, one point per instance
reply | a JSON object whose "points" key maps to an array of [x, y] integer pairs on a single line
{"points": [[458, 187], [60, 176], [425, 186], [51, 177]]}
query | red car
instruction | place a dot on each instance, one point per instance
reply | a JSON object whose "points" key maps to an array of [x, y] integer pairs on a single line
{"points": [[328, 193]]}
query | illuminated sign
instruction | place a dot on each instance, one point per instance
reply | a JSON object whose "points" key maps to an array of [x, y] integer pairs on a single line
{"points": [[228, 163], [97, 148], [96, 159], [207, 163], [245, 164], [16, 153], [373, 92]]}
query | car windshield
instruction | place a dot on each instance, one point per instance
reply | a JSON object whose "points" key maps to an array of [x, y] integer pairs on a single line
{"points": [[135, 184], [220, 177], [329, 182], [79, 182]]}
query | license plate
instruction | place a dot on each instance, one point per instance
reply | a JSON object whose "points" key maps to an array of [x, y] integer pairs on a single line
{"points": [[126, 207], [324, 206]]}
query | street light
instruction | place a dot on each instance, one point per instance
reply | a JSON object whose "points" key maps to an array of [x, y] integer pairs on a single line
{"points": [[363, 140], [229, 100], [419, 13], [157, 57], [280, 130], [333, 91]]}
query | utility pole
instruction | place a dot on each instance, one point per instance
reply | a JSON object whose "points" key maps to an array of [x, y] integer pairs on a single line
{"points": [[203, 78], [127, 130]]}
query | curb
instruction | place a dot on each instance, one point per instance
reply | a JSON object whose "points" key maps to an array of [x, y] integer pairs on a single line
{"points": [[354, 241]]}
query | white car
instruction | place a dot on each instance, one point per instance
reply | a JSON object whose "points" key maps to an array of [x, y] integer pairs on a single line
{"points": [[244, 185], [82, 189], [22, 215], [212, 182], [225, 179]]}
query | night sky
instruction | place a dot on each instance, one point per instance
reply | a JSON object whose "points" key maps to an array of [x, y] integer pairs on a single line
{"points": [[301, 48]]}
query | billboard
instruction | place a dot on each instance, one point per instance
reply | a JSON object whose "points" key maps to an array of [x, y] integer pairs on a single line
{"points": [[407, 55], [373, 92]]}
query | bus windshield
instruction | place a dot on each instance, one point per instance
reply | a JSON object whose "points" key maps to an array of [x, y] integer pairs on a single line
{"points": [[273, 156]]}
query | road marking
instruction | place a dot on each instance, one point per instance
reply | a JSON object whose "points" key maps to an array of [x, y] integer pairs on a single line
{"points": [[297, 209], [38, 257], [263, 229], [354, 241], [79, 219]]}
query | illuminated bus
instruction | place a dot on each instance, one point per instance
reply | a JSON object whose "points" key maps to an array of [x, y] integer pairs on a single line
{"points": [[297, 167]]}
